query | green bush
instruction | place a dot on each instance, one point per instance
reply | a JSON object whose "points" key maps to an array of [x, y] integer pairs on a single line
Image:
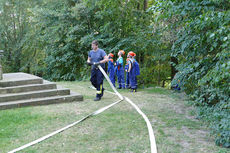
{"points": [[204, 47]]}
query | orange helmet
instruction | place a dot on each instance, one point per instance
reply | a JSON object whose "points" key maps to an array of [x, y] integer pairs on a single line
{"points": [[131, 53], [111, 54], [122, 51]]}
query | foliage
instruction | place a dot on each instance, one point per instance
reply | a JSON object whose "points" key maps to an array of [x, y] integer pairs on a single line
{"points": [[202, 47], [51, 38], [18, 38]]}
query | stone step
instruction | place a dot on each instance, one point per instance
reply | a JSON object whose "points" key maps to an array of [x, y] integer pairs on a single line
{"points": [[20, 82], [19, 79], [33, 94], [27, 88], [73, 97]]}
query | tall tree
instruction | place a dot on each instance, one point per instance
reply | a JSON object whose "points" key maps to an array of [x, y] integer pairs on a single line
{"points": [[14, 24]]}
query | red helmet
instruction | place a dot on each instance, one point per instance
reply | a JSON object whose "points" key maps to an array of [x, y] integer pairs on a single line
{"points": [[111, 54], [131, 53]]}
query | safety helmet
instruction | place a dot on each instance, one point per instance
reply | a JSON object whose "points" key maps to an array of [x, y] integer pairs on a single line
{"points": [[122, 51], [111, 54], [131, 53]]}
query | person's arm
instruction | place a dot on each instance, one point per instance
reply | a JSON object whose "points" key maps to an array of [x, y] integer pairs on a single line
{"points": [[130, 66], [89, 60], [89, 57], [126, 67], [106, 59]]}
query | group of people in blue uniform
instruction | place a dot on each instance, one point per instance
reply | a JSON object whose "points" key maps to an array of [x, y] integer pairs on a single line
{"points": [[98, 56], [117, 69]]}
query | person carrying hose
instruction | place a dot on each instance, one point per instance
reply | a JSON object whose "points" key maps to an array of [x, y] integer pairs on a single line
{"points": [[111, 70], [97, 57], [120, 70]]}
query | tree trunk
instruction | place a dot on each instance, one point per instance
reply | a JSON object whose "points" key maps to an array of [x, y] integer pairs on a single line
{"points": [[138, 6], [174, 62], [159, 74], [145, 5]]}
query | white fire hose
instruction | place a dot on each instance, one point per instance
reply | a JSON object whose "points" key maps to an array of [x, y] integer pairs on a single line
{"points": [[150, 130]]}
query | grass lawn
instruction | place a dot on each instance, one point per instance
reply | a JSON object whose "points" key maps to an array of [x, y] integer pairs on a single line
{"points": [[119, 129]]}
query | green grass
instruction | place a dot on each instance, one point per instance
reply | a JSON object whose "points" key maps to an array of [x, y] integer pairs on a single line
{"points": [[119, 129], [157, 90]]}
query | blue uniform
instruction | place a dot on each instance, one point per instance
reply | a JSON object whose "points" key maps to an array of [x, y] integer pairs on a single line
{"points": [[111, 72], [96, 75], [120, 72], [132, 75], [127, 85], [137, 69]]}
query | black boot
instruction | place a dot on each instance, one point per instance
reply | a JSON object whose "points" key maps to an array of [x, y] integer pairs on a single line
{"points": [[97, 99]]}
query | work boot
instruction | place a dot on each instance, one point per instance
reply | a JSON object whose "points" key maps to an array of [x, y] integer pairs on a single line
{"points": [[133, 90], [97, 99], [102, 93]]}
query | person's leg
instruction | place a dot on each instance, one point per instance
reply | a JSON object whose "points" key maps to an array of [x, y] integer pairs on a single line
{"points": [[100, 89], [127, 80], [119, 79], [135, 84], [122, 79], [136, 81], [112, 78], [132, 82], [93, 78], [94, 82]]}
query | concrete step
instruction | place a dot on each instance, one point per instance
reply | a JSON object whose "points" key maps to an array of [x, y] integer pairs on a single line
{"points": [[28, 88], [73, 97], [19, 79], [33, 94], [20, 82]]}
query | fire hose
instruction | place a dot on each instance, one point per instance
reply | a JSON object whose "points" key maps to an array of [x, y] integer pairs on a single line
{"points": [[150, 130]]}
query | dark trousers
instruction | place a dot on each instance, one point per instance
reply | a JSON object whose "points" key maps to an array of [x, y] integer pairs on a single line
{"points": [[97, 81], [120, 78], [132, 79], [127, 80]]}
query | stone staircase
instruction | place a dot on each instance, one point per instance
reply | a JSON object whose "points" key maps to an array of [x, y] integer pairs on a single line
{"points": [[21, 89]]}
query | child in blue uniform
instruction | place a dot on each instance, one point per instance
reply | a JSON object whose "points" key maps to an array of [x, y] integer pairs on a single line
{"points": [[136, 68], [133, 71], [111, 70], [120, 70]]}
